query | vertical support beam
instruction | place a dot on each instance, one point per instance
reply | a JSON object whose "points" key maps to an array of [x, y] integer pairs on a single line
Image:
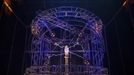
{"points": [[66, 57]]}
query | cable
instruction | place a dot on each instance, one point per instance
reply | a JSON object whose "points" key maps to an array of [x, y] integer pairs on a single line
{"points": [[13, 38], [107, 52], [104, 30], [119, 46], [1, 12], [11, 50], [10, 9], [24, 53], [22, 23], [114, 16], [131, 16], [80, 34]]}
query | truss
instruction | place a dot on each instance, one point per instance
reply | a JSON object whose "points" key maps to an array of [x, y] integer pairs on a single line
{"points": [[77, 28]]}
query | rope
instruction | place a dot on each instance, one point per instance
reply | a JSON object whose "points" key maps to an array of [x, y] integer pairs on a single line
{"points": [[11, 50]]}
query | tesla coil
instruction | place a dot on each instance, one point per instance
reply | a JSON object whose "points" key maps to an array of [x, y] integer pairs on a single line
{"points": [[66, 41]]}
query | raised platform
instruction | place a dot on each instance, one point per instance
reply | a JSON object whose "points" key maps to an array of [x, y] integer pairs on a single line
{"points": [[60, 70]]}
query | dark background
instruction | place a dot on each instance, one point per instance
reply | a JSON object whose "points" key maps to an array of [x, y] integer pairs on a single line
{"points": [[119, 33]]}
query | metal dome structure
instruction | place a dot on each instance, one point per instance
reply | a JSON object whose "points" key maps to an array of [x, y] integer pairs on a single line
{"points": [[66, 41]]}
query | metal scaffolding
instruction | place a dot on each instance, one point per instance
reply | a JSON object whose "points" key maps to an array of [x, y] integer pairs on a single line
{"points": [[66, 41]]}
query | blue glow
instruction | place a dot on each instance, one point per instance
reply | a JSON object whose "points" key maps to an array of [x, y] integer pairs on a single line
{"points": [[57, 31]]}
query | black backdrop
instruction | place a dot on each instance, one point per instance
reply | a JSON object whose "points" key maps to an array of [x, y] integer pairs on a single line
{"points": [[119, 33]]}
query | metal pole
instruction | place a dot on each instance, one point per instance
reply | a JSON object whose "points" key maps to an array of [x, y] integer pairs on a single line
{"points": [[66, 57]]}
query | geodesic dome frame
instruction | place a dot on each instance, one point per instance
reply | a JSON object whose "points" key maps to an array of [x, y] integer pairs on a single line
{"points": [[78, 28]]}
